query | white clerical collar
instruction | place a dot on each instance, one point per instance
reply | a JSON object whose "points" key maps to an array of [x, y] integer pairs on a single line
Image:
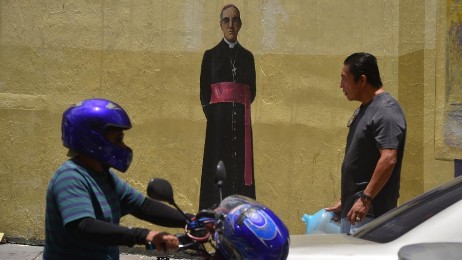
{"points": [[230, 44]]}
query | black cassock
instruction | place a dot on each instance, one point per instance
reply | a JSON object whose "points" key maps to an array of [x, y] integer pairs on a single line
{"points": [[225, 133]]}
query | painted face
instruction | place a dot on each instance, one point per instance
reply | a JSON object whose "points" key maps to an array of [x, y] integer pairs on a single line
{"points": [[230, 24], [351, 88]]}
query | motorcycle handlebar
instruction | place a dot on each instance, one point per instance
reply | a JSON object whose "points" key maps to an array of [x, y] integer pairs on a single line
{"points": [[197, 232]]}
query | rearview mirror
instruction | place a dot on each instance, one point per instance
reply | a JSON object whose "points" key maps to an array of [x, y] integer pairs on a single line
{"points": [[160, 189]]}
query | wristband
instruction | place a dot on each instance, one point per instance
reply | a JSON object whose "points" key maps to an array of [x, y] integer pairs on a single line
{"points": [[366, 197]]}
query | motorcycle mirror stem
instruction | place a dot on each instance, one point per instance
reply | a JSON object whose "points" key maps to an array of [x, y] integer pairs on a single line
{"points": [[160, 189], [220, 177]]}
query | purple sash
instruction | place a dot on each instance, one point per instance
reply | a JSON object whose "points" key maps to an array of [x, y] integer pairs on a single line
{"points": [[240, 93]]}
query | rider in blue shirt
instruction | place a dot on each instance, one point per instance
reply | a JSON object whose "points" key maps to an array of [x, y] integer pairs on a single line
{"points": [[85, 199]]}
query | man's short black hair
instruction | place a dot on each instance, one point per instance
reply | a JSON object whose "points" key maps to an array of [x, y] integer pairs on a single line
{"points": [[363, 63]]}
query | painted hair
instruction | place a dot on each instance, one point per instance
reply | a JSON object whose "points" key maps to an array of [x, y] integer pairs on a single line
{"points": [[228, 6]]}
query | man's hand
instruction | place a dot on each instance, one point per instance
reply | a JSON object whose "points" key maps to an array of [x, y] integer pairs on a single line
{"points": [[163, 241], [336, 209], [359, 210]]}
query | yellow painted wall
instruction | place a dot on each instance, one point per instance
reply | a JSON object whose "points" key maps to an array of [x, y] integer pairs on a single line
{"points": [[146, 56]]}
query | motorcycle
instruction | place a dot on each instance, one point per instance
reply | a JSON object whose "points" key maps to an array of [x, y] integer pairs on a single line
{"points": [[238, 228]]}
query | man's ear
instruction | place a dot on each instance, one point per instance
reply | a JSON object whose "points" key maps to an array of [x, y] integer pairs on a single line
{"points": [[362, 80]]}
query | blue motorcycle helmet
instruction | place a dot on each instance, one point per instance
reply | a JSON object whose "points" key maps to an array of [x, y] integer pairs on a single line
{"points": [[82, 129], [251, 231]]}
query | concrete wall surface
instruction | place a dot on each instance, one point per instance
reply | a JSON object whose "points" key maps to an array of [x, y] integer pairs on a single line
{"points": [[146, 56]]}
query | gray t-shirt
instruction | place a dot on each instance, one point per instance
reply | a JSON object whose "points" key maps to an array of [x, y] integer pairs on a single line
{"points": [[380, 124]]}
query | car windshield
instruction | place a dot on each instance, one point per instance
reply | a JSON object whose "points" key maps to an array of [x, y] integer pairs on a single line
{"points": [[400, 220]]}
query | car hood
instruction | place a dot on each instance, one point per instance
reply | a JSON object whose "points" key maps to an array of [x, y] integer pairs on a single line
{"points": [[327, 240], [337, 246]]}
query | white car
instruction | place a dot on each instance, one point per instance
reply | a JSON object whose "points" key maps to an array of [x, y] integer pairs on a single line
{"points": [[433, 217]]}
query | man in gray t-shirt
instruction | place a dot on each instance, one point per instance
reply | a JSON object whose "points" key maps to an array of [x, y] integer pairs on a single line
{"points": [[375, 146]]}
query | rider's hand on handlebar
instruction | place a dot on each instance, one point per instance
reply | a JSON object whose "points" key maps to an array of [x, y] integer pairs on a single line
{"points": [[163, 241]]}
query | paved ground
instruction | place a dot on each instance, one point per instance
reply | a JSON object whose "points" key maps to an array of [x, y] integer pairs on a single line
{"points": [[26, 252]]}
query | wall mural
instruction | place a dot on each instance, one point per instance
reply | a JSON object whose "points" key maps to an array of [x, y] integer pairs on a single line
{"points": [[452, 124]]}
